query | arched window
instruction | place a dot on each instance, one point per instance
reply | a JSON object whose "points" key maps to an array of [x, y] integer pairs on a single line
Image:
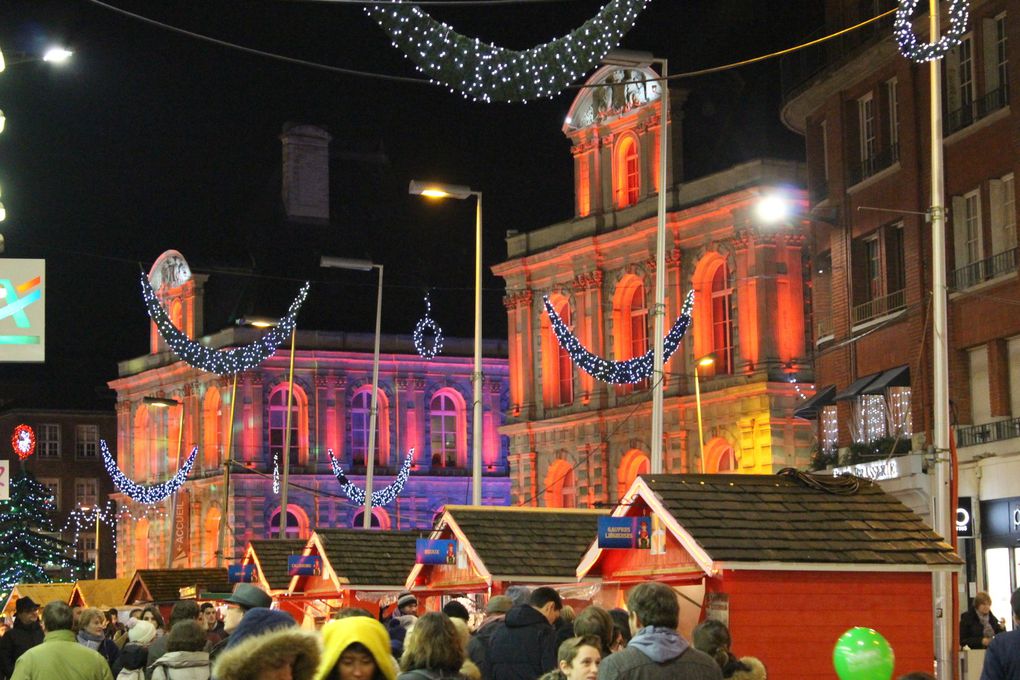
{"points": [[141, 546], [626, 173], [212, 429], [722, 323], [561, 485], [176, 314], [361, 414], [380, 519], [713, 319], [297, 522], [719, 456], [447, 427], [557, 367], [630, 324], [634, 464], [298, 424], [142, 443]]}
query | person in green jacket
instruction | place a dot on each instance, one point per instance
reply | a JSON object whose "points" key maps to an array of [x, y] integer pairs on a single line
{"points": [[60, 657]]}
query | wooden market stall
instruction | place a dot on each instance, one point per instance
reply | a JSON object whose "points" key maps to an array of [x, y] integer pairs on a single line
{"points": [[358, 569], [41, 594], [505, 546], [103, 593], [163, 587], [269, 558], [790, 562]]}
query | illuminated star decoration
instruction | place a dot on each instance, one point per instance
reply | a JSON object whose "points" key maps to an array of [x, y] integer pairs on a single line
{"points": [[383, 496], [23, 441], [222, 361], [427, 323], [918, 51], [619, 372], [146, 494], [486, 72]]}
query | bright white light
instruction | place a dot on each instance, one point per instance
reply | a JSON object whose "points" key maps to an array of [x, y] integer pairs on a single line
{"points": [[57, 55], [3, 64], [3, 212], [773, 209], [3, 121]]}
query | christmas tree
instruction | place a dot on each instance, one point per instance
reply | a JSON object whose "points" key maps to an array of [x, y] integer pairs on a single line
{"points": [[28, 537]]}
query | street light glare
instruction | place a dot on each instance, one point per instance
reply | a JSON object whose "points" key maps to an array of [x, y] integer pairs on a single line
{"points": [[438, 190], [3, 119], [773, 209], [57, 55], [705, 362], [435, 193]]}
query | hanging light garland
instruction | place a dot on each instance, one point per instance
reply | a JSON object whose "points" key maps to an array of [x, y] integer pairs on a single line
{"points": [[918, 51], [23, 441], [81, 520], [427, 323], [486, 72], [383, 496], [619, 372], [221, 362], [146, 494]]}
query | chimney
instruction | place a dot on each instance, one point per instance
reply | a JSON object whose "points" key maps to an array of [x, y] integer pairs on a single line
{"points": [[306, 173]]}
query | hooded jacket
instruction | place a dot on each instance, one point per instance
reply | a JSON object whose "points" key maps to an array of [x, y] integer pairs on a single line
{"points": [[339, 635], [659, 654], [478, 647], [249, 658], [18, 640], [182, 666], [523, 648]]}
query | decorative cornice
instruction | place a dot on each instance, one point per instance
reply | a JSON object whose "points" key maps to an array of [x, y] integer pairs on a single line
{"points": [[519, 299], [588, 280]]}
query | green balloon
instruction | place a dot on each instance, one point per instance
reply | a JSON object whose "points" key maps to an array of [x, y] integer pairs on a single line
{"points": [[863, 654]]}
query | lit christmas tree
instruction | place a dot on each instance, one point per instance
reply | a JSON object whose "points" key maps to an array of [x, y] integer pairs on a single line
{"points": [[27, 535]]}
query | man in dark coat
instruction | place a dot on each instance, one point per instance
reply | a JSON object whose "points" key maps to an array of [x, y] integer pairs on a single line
{"points": [[23, 635], [1002, 660], [495, 613], [657, 652], [525, 646]]}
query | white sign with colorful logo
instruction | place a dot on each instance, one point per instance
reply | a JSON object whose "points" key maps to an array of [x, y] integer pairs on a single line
{"points": [[22, 310]]}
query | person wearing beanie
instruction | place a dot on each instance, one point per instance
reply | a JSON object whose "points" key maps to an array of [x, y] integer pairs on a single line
{"points": [[136, 650], [258, 621], [495, 612], [273, 652], [519, 594], [407, 604], [185, 658], [456, 610], [356, 643]]}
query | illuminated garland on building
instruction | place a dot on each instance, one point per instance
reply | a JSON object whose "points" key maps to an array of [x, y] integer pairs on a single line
{"points": [[920, 52], [383, 496], [486, 72], [424, 323], [146, 494], [619, 372], [80, 521], [276, 473], [23, 441], [224, 361]]}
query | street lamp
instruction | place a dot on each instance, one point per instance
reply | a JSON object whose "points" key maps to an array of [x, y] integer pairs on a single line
{"points": [[438, 191], [643, 59], [95, 512], [703, 362], [366, 266]]}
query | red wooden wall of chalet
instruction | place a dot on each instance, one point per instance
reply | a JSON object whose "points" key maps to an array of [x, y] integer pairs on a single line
{"points": [[792, 619]]}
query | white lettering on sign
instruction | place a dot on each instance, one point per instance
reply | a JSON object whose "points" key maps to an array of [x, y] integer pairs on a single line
{"points": [[878, 470], [962, 519], [1016, 518]]}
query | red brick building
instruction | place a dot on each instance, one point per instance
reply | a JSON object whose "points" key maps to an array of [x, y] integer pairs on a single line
{"points": [[575, 441]]}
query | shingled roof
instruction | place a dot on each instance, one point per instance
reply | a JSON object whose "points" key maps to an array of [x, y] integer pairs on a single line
{"points": [[164, 585], [104, 592], [366, 558], [518, 543], [41, 594], [786, 518], [272, 555]]}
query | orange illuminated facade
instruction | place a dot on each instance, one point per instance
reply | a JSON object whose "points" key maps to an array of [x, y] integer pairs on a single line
{"points": [[575, 441]]}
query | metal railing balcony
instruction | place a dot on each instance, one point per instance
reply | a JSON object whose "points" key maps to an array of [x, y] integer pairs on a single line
{"points": [[872, 309], [879, 161], [984, 270], [971, 112], [988, 432]]}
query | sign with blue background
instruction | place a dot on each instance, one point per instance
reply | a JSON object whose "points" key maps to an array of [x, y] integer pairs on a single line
{"points": [[304, 565], [241, 573], [435, 551], [625, 532]]}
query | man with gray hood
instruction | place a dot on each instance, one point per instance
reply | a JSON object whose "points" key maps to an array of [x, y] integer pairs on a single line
{"points": [[656, 651]]}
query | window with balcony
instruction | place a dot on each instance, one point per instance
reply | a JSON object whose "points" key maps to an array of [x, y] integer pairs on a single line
{"points": [[969, 98], [86, 441], [968, 248], [872, 157], [49, 441], [866, 127], [1002, 197], [877, 268]]}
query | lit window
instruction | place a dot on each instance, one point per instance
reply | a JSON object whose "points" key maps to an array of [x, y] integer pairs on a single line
{"points": [[870, 418], [628, 176], [830, 429], [722, 325], [445, 438], [278, 425], [900, 419], [361, 414]]}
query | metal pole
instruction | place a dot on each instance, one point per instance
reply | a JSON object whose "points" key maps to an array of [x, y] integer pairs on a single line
{"points": [[944, 616], [97, 539], [659, 309], [370, 455], [285, 477], [701, 432], [476, 375], [221, 538]]}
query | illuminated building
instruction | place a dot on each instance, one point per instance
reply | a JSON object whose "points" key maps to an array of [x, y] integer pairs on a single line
{"points": [[578, 442]]}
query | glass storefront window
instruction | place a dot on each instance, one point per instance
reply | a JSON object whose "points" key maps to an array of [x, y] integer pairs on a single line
{"points": [[999, 566]]}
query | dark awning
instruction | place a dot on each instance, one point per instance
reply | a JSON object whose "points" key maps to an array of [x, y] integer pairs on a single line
{"points": [[810, 408], [857, 387], [894, 377]]}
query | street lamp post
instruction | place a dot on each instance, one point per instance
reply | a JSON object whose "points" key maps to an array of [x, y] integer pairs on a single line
{"points": [[437, 190], [636, 59], [703, 362], [95, 514], [365, 266]]}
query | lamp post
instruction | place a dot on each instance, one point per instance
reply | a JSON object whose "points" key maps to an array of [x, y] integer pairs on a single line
{"points": [[642, 59], [438, 190], [366, 266], [95, 514], [164, 402], [703, 362]]}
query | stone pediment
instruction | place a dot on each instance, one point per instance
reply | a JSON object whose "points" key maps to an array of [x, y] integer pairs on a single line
{"points": [[612, 92]]}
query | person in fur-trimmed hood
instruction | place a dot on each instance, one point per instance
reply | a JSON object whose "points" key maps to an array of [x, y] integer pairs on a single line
{"points": [[261, 655]]}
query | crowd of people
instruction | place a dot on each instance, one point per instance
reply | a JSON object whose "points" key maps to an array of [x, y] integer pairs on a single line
{"points": [[524, 635]]}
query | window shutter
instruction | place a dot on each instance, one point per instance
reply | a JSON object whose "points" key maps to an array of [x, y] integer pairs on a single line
{"points": [[952, 80], [990, 57], [959, 233], [996, 196]]}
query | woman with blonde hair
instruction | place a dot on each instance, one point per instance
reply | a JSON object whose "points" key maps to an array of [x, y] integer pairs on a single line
{"points": [[92, 634], [433, 650], [469, 669]]}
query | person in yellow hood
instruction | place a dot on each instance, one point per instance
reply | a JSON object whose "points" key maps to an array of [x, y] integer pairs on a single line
{"points": [[355, 648]]}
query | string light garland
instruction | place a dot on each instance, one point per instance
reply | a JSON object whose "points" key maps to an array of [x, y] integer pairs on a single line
{"points": [[276, 473], [383, 496], [146, 494], [23, 441], [82, 520], [619, 372], [486, 72], [221, 362], [921, 52], [427, 323]]}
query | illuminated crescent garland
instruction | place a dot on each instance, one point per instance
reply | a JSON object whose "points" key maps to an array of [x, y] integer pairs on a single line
{"points": [[383, 496], [146, 494], [487, 72], [221, 361], [619, 372]]}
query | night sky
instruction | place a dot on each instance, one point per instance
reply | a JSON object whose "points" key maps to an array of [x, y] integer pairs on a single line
{"points": [[150, 140]]}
